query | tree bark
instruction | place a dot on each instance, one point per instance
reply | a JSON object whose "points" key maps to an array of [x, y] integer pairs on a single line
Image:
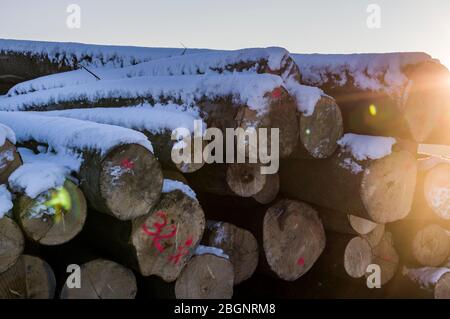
{"points": [[380, 190], [102, 279], [56, 227], [29, 278]]}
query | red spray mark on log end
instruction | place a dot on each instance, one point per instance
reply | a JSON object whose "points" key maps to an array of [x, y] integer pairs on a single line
{"points": [[301, 261], [276, 94], [127, 164]]}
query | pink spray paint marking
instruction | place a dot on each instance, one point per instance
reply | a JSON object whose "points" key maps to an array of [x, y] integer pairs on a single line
{"points": [[301, 261], [127, 164], [182, 251], [276, 94], [157, 237]]}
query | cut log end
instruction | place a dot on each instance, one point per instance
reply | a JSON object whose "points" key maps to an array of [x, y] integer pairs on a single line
{"points": [[431, 246], [375, 236], [239, 244], [270, 190], [361, 225], [9, 161], [442, 288], [183, 223], [387, 187], [122, 182], [320, 131], [293, 238], [52, 224], [437, 190], [102, 279], [386, 257], [244, 179], [11, 243], [357, 256], [29, 278], [206, 277]]}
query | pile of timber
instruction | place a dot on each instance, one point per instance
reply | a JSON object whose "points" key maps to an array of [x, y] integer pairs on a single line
{"points": [[98, 209]]}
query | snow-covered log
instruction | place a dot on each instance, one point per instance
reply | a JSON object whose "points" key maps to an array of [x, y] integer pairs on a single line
{"points": [[436, 279], [24, 60], [159, 243], [157, 122], [238, 243], [320, 118], [29, 278], [102, 279], [366, 178], [394, 94], [118, 173], [9, 158], [206, 276], [12, 243], [227, 101]]}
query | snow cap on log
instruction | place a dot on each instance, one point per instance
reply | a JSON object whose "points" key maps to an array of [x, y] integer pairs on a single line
{"points": [[245, 89]]}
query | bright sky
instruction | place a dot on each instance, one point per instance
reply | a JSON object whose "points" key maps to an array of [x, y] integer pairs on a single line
{"points": [[323, 26]]}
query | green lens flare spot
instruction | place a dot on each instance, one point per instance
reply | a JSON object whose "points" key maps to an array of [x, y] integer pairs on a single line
{"points": [[60, 198], [308, 131], [373, 110]]}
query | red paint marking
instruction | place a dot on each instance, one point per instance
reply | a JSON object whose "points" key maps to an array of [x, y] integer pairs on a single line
{"points": [[126, 163], [182, 251], [301, 261], [276, 94], [157, 237]]}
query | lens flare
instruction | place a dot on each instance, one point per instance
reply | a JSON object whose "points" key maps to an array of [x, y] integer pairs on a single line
{"points": [[373, 110], [59, 200]]}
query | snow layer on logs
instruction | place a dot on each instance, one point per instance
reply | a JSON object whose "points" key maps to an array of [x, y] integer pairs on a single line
{"points": [[376, 72], [170, 185], [154, 119], [5, 201], [90, 55], [61, 134], [245, 89], [6, 134], [192, 64], [364, 147]]}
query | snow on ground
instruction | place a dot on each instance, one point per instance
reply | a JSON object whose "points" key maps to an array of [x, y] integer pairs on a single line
{"points": [[154, 119], [5, 201], [245, 89], [364, 147], [203, 250], [171, 185], [62, 134], [6, 134], [91, 55], [366, 71], [193, 64]]}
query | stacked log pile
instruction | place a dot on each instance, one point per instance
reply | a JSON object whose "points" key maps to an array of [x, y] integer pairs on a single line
{"points": [[95, 206]]}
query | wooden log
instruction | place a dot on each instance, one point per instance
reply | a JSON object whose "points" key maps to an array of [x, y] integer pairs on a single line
{"points": [[385, 256], [206, 277], [374, 102], [102, 279], [293, 238], [243, 180], [11, 243], [9, 161], [380, 190], [159, 243], [431, 245], [436, 280], [48, 223], [29, 278], [123, 179], [239, 244]]}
